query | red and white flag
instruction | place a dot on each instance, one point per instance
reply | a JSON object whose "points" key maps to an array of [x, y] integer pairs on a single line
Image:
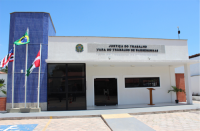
{"points": [[36, 63], [7, 59]]}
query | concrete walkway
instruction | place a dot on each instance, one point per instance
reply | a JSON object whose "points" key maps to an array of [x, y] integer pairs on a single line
{"points": [[125, 122], [92, 113]]}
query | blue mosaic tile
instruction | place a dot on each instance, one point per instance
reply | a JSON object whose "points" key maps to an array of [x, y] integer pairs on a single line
{"points": [[9, 85], [51, 28], [12, 18], [20, 57], [43, 87], [19, 87], [45, 24], [40, 27], [32, 86]]}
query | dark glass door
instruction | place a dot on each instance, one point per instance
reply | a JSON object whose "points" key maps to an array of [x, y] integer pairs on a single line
{"points": [[66, 87], [56, 89], [76, 87], [105, 90]]}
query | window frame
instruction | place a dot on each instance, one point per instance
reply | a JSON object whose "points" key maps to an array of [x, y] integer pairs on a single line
{"points": [[143, 76]]}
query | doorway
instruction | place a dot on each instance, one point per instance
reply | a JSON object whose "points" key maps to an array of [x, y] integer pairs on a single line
{"points": [[66, 87], [105, 91]]}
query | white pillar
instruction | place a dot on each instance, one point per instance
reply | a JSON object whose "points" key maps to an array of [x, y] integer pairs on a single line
{"points": [[188, 88]]}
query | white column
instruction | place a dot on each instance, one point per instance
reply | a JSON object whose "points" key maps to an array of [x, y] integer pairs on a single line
{"points": [[188, 88]]}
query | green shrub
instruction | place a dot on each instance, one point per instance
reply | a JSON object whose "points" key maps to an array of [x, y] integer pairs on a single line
{"points": [[1, 86]]}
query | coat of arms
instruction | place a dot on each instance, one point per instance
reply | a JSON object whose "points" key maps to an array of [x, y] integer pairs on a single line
{"points": [[79, 48]]}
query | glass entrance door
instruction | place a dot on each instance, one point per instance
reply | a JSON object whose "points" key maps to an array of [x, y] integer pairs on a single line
{"points": [[105, 90], [56, 87], [76, 87], [66, 88]]}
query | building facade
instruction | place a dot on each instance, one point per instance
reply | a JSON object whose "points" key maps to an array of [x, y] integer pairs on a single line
{"points": [[78, 72]]}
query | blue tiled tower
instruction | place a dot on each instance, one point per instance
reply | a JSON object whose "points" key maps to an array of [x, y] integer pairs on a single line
{"points": [[40, 27]]}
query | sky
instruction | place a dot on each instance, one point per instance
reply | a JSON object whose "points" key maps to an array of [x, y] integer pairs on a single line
{"points": [[111, 18]]}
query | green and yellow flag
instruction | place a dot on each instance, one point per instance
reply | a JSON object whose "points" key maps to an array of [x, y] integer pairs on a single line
{"points": [[24, 39]]}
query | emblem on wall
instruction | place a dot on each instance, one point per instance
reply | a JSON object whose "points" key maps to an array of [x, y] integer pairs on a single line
{"points": [[79, 48]]}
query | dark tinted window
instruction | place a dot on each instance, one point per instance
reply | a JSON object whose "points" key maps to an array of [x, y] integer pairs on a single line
{"points": [[56, 70], [76, 101], [76, 85], [56, 101], [56, 84], [76, 70], [142, 82]]}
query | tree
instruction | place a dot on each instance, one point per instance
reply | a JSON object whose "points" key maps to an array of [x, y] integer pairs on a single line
{"points": [[176, 90], [4, 69], [1, 86]]}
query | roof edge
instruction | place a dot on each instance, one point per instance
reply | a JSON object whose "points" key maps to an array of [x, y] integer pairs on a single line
{"points": [[195, 55], [120, 37]]}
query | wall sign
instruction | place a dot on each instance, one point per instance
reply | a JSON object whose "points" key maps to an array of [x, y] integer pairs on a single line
{"points": [[79, 48], [116, 48]]}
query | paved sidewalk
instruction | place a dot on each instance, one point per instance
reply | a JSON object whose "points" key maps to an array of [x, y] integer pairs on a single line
{"points": [[179, 121], [69, 124], [96, 113]]}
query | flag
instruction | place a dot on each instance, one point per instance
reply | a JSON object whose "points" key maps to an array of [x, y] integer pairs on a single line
{"points": [[24, 39], [36, 63], [7, 59]]}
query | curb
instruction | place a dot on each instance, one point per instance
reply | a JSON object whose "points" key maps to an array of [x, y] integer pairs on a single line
{"points": [[47, 117], [161, 112], [85, 116], [105, 122]]}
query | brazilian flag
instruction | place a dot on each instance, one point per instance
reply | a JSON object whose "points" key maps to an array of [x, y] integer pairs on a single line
{"points": [[23, 40]]}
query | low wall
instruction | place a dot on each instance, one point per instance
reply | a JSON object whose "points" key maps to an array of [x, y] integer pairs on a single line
{"points": [[43, 105], [197, 98], [195, 83], [2, 103]]}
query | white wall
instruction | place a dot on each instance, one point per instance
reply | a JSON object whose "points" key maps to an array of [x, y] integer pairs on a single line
{"points": [[195, 83], [131, 95], [3, 76], [194, 68], [180, 69], [64, 47]]}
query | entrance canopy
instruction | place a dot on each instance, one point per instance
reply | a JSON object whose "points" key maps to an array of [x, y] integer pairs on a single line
{"points": [[132, 63]]}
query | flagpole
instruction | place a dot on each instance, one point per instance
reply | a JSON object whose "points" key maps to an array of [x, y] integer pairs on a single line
{"points": [[39, 77], [25, 71], [13, 73], [26, 68]]}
